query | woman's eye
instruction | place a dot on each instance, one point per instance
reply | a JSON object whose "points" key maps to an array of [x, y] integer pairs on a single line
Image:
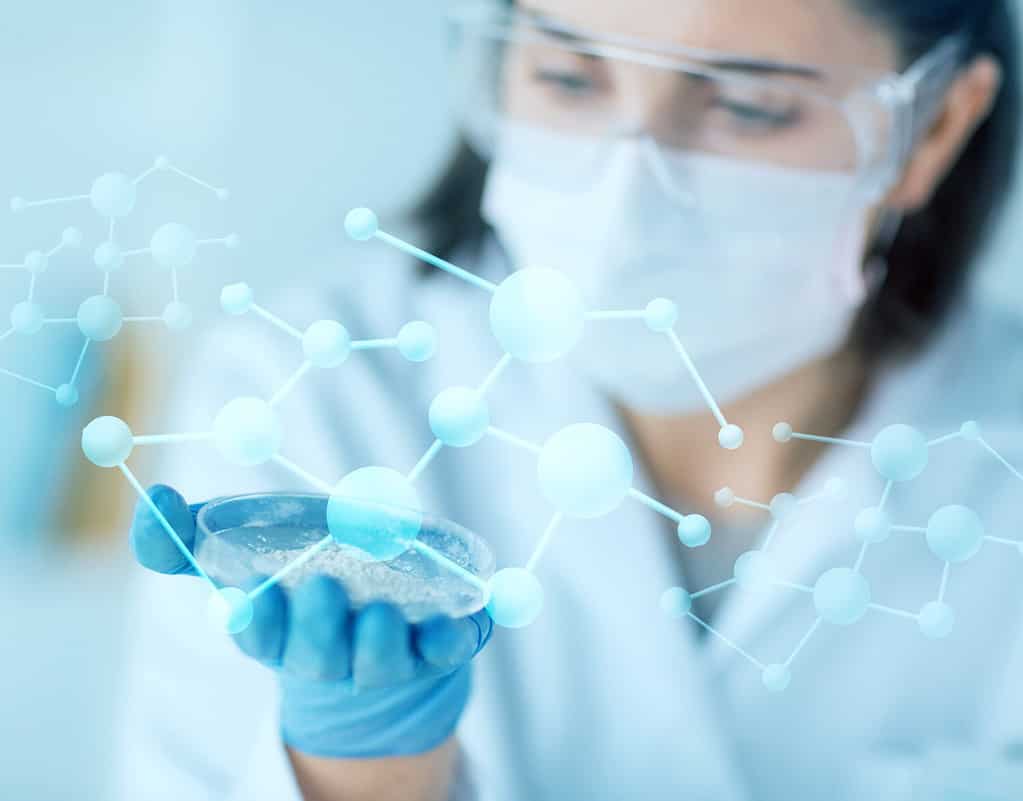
{"points": [[572, 83], [758, 117]]}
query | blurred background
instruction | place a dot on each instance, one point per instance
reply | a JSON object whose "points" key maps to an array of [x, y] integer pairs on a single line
{"points": [[302, 111]]}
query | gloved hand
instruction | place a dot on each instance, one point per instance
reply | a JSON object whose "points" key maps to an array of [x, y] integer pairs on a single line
{"points": [[354, 684]]}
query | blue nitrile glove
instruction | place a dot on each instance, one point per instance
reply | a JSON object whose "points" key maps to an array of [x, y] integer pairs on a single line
{"points": [[354, 684]]}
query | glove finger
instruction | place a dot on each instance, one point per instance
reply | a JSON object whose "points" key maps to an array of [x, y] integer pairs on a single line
{"points": [[263, 639], [318, 645], [152, 545], [382, 654], [445, 643]]}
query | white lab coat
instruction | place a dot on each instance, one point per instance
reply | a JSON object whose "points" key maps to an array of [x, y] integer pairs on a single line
{"points": [[604, 698]]}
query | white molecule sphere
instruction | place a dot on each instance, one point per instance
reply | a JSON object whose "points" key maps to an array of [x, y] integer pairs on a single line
{"points": [[516, 598], [970, 430], [724, 497], [361, 224], [754, 570], [100, 318], [585, 470], [247, 432], [232, 241], [776, 678], [782, 432], [236, 298], [899, 453], [108, 256], [841, 596], [18, 204], [783, 505], [459, 417], [375, 510], [173, 245], [694, 531], [731, 437], [36, 261], [67, 395], [955, 533], [71, 237], [161, 163], [873, 525], [177, 316], [326, 344], [113, 195], [107, 441], [27, 317], [660, 315], [937, 620], [676, 603], [417, 341], [537, 315], [222, 193], [229, 610]]}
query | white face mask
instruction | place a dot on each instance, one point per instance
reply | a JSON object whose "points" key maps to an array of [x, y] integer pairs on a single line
{"points": [[763, 262]]}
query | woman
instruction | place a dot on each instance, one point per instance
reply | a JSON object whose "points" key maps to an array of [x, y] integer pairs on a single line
{"points": [[815, 223]]}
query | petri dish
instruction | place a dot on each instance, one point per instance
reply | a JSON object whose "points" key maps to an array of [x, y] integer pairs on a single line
{"points": [[244, 536]]}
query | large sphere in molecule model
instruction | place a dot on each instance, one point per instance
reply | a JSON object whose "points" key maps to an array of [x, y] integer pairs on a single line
{"points": [[585, 470], [108, 256], [899, 453], [841, 596], [27, 317], [459, 417], [113, 195], [36, 262], [326, 344], [955, 533], [537, 315], [247, 432], [99, 318], [107, 442], [375, 510], [516, 598], [229, 610], [173, 245]]}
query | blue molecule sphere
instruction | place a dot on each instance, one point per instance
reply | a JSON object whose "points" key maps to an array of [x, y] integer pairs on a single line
{"points": [[899, 453], [754, 571], [107, 441], [776, 678], [113, 195], [585, 471], [377, 511], [248, 432], [537, 315], [417, 341], [67, 395], [841, 596], [694, 531], [36, 261], [18, 204], [229, 610], [177, 316], [970, 430], [660, 315], [516, 598], [955, 533], [676, 603], [173, 245], [936, 620], [873, 525], [108, 256], [71, 237], [782, 432], [731, 437], [361, 224], [236, 298], [459, 417], [100, 318], [27, 317], [783, 505], [326, 344]]}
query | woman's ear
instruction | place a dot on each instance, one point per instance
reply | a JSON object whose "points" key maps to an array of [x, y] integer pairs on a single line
{"points": [[968, 103]]}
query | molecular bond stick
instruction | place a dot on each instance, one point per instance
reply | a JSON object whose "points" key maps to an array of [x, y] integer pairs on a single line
{"points": [[842, 595], [99, 318]]}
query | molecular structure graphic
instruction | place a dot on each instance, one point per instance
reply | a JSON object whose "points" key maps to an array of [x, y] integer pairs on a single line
{"points": [[842, 595], [584, 470], [100, 318]]}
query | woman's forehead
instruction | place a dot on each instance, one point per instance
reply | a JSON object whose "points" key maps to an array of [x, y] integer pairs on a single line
{"points": [[827, 32]]}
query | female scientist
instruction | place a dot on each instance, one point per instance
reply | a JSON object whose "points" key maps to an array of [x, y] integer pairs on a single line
{"points": [[811, 182]]}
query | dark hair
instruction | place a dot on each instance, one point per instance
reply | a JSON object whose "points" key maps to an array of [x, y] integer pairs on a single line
{"points": [[936, 247]]}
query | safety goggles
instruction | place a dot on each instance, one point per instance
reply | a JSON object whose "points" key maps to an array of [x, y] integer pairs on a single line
{"points": [[515, 71]]}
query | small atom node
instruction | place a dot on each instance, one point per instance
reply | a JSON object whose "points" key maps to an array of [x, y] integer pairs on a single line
{"points": [[67, 395], [873, 525], [660, 315], [937, 620], [694, 531], [113, 195], [108, 256], [516, 598], [326, 344], [417, 341], [841, 596], [248, 432], [783, 505], [375, 510], [777, 678], [899, 453], [676, 602], [755, 571], [107, 442], [585, 470], [177, 316], [229, 610], [459, 417], [537, 315], [236, 298], [361, 224], [27, 317], [173, 245]]}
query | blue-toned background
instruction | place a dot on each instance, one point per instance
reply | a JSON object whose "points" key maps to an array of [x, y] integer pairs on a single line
{"points": [[302, 110]]}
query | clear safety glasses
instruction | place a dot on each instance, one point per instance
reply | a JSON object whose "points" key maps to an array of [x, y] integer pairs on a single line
{"points": [[515, 71]]}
